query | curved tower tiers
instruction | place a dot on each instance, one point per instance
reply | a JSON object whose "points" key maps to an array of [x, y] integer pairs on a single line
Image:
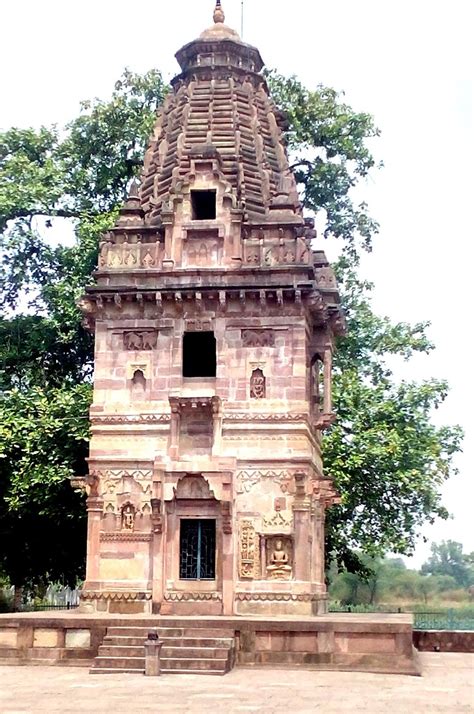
{"points": [[214, 328]]}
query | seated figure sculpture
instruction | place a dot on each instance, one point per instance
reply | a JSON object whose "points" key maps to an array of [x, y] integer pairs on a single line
{"points": [[278, 567]]}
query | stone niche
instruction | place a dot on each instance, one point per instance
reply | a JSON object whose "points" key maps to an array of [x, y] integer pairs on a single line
{"points": [[278, 557]]}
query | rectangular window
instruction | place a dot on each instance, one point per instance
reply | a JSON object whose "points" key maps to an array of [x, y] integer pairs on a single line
{"points": [[199, 354], [203, 205], [197, 549]]}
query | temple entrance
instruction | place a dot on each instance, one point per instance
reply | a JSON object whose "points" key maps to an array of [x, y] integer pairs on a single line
{"points": [[197, 549]]}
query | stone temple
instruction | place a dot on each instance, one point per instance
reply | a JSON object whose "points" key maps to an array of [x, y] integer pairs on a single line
{"points": [[214, 323]]}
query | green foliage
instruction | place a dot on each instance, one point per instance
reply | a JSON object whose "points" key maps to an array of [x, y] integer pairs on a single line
{"points": [[387, 458], [44, 434], [447, 560], [329, 152], [388, 582], [105, 145]]}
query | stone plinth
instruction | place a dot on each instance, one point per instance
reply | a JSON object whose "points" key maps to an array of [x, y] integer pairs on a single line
{"points": [[373, 643]]}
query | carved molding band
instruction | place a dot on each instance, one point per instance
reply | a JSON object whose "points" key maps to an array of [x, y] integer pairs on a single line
{"points": [[278, 597], [110, 595], [245, 417], [126, 537], [130, 418], [178, 596], [130, 255], [247, 478]]}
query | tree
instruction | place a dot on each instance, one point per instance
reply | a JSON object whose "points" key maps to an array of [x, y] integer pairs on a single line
{"points": [[447, 558], [387, 458]]}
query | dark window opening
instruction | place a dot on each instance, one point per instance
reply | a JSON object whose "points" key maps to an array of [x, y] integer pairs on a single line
{"points": [[203, 205], [197, 549], [199, 354]]}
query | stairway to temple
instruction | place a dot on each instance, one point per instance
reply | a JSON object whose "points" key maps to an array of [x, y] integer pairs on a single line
{"points": [[185, 650]]}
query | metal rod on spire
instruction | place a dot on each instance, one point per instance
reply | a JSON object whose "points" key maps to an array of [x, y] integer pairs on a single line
{"points": [[242, 19], [218, 12]]}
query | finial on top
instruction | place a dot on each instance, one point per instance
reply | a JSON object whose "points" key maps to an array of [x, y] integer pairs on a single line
{"points": [[218, 12]]}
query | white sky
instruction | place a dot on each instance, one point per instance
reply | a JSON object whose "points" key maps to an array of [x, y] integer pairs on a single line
{"points": [[409, 63]]}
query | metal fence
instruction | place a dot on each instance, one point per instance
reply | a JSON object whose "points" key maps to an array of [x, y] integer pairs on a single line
{"points": [[449, 619], [55, 598]]}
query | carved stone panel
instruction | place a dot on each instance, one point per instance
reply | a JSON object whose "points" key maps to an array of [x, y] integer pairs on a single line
{"points": [[140, 339], [257, 385], [249, 559], [201, 253], [278, 522], [193, 487], [258, 338]]}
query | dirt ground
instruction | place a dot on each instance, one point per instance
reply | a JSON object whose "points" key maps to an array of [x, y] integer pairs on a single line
{"points": [[447, 685]]}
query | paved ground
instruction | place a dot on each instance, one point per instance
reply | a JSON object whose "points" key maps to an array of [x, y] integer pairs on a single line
{"points": [[447, 685]]}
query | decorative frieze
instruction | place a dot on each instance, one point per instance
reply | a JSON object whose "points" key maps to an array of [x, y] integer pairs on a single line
{"points": [[277, 597], [247, 478], [130, 418], [266, 417], [140, 339], [277, 522], [268, 253], [117, 595], [258, 338], [188, 596], [135, 483], [128, 256], [197, 325], [125, 537]]}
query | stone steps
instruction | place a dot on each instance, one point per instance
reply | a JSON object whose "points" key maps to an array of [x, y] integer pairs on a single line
{"points": [[137, 651], [189, 650], [169, 641], [113, 670]]}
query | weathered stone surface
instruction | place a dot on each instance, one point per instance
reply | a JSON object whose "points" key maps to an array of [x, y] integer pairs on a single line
{"points": [[45, 637], [78, 639], [8, 637]]}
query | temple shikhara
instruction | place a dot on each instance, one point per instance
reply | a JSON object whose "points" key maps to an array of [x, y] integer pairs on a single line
{"points": [[214, 322]]}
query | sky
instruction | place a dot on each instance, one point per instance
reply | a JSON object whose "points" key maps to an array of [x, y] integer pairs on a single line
{"points": [[409, 63]]}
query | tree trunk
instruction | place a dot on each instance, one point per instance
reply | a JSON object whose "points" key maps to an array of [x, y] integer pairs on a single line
{"points": [[17, 597]]}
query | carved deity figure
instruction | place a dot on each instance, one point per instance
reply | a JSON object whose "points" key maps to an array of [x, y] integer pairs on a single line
{"points": [[257, 385], [278, 567], [128, 517]]}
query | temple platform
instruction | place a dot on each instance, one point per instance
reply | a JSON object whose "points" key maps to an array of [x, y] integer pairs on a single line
{"points": [[212, 645]]}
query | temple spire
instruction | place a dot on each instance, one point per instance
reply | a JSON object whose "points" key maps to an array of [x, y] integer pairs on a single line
{"points": [[218, 15]]}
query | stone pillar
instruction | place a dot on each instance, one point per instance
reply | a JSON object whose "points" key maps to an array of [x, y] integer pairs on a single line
{"points": [[152, 655], [174, 429], [301, 527], [94, 517], [318, 545], [216, 426], [167, 218], [157, 554], [327, 408], [227, 560]]}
